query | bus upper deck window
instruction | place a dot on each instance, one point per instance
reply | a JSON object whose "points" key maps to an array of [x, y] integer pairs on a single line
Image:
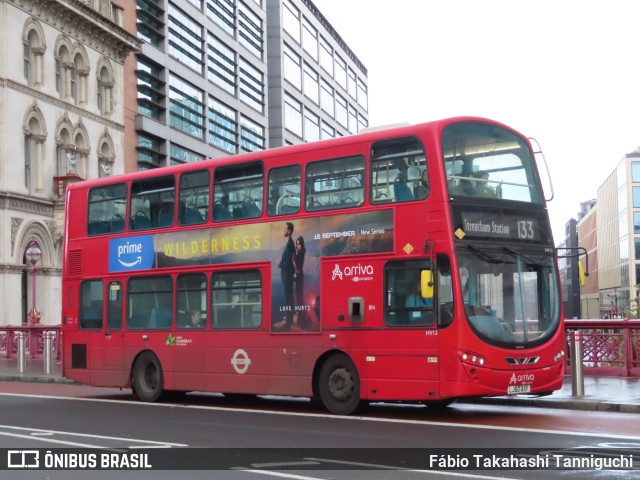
{"points": [[399, 171]]}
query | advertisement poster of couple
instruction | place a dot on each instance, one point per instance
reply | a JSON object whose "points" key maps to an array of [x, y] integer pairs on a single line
{"points": [[296, 271]]}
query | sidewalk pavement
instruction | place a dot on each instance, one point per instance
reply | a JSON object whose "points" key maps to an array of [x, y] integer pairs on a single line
{"points": [[611, 394]]}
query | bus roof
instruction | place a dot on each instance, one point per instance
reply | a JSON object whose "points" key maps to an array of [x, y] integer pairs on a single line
{"points": [[374, 134]]}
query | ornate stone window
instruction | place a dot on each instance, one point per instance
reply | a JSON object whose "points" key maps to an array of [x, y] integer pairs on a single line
{"points": [[35, 134], [34, 47], [106, 155], [105, 85]]}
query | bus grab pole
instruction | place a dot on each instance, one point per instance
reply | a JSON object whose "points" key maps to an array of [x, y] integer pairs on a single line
{"points": [[577, 377]]}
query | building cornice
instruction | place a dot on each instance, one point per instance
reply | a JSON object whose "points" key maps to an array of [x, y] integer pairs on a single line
{"points": [[70, 107], [19, 269], [88, 26], [26, 204]]}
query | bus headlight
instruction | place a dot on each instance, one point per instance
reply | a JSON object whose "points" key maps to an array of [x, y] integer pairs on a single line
{"points": [[472, 358], [559, 356]]}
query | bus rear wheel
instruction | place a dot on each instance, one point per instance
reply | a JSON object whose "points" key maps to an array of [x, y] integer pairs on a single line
{"points": [[147, 380], [339, 385]]}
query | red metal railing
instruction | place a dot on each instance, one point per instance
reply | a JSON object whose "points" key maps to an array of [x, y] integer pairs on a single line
{"points": [[34, 335], [609, 347]]}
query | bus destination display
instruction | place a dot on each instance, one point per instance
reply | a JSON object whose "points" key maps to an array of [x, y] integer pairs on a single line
{"points": [[500, 225]]}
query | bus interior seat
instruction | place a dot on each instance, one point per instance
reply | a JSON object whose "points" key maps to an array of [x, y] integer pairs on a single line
{"points": [[160, 317], [192, 215], [137, 321], [401, 191], [238, 212], [116, 223], [250, 208], [97, 227], [220, 212], [165, 215], [140, 221], [226, 316], [288, 209]]}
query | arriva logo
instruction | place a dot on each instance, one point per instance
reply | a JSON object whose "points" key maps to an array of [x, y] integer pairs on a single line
{"points": [[356, 273], [133, 253], [526, 377], [336, 272]]}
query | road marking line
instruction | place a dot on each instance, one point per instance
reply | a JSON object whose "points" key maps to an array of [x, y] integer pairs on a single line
{"points": [[391, 467], [283, 464], [50, 440], [275, 474], [340, 418], [87, 435]]}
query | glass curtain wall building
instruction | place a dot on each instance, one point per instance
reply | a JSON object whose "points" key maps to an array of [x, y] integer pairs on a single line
{"points": [[317, 85], [201, 81], [221, 77]]}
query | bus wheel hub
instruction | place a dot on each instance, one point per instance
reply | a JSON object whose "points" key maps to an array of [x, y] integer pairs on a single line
{"points": [[341, 384]]}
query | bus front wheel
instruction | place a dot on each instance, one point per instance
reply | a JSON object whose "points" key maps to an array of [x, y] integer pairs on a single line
{"points": [[147, 380], [339, 385]]}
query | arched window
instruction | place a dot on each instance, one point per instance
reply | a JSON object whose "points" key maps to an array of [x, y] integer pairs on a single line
{"points": [[34, 48], [73, 79], [106, 155], [65, 150], [105, 84], [35, 134], [71, 70], [80, 71], [82, 149], [63, 65]]}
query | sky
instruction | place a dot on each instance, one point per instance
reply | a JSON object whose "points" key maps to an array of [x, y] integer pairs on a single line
{"points": [[565, 72]]}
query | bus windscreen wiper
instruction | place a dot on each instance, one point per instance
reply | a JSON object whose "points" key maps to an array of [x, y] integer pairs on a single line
{"points": [[484, 256], [520, 255]]}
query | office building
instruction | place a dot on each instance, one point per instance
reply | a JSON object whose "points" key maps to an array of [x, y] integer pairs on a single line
{"points": [[609, 231], [218, 77]]}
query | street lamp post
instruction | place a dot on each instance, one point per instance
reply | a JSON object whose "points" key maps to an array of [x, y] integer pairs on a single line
{"points": [[33, 254]]}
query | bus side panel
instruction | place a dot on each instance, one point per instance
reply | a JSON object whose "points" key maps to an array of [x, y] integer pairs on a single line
{"points": [[273, 366]]}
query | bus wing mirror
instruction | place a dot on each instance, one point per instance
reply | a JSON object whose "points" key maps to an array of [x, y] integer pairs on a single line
{"points": [[426, 284]]}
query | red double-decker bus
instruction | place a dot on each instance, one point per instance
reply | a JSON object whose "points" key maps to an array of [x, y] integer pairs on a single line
{"points": [[407, 264]]}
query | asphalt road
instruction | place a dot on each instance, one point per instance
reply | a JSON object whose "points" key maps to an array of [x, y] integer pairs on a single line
{"points": [[275, 438]]}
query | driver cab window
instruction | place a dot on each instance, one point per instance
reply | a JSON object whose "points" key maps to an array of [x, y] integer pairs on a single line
{"points": [[405, 305]]}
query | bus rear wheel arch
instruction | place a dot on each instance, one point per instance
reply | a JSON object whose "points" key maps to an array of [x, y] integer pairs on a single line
{"points": [[147, 379], [338, 385]]}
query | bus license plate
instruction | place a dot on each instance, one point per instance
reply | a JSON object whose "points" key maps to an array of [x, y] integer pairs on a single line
{"points": [[515, 389]]}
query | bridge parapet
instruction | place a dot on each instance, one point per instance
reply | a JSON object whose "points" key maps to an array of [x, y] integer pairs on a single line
{"points": [[609, 347], [34, 335]]}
